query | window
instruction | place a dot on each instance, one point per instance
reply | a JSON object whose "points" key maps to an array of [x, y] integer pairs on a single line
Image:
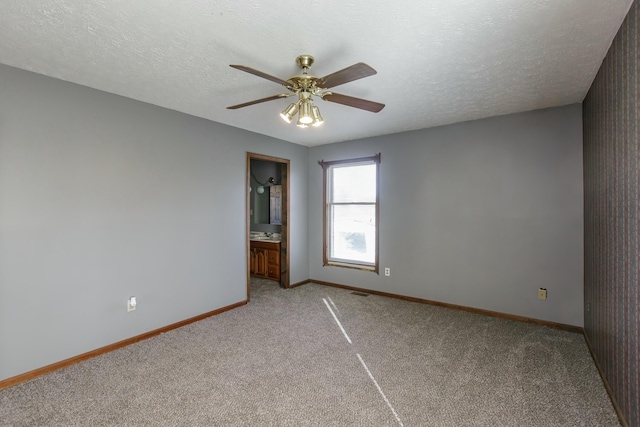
{"points": [[351, 212]]}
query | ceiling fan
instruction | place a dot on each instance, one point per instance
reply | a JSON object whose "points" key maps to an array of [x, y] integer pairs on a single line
{"points": [[304, 86]]}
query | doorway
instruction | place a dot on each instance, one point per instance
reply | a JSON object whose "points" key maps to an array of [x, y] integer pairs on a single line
{"points": [[282, 168]]}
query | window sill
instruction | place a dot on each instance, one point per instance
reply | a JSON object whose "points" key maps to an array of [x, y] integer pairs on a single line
{"points": [[362, 267]]}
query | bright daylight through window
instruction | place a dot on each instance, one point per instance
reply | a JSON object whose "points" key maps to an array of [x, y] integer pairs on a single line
{"points": [[351, 212]]}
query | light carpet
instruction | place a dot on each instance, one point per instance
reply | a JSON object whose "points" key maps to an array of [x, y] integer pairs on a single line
{"points": [[322, 356]]}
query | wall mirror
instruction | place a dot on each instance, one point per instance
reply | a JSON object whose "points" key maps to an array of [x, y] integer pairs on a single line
{"points": [[265, 193]]}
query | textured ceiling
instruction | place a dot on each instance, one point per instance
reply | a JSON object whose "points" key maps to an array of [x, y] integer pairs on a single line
{"points": [[438, 62]]}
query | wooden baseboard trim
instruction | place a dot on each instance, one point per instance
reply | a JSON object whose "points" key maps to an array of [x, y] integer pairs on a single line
{"points": [[607, 386], [554, 325], [10, 382], [304, 282]]}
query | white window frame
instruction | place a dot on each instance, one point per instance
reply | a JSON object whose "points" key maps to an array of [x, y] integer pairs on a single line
{"points": [[327, 169]]}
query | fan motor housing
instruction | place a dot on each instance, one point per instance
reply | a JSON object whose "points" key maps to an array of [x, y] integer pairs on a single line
{"points": [[303, 81]]}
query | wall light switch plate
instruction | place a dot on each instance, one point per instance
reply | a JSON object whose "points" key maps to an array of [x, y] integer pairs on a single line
{"points": [[542, 293], [131, 304]]}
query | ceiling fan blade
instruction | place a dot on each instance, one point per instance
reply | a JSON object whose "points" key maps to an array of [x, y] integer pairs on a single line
{"points": [[346, 75], [352, 101], [258, 101], [261, 74]]}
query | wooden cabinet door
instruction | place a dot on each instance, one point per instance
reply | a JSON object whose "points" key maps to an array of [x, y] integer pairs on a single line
{"points": [[252, 261], [261, 262]]}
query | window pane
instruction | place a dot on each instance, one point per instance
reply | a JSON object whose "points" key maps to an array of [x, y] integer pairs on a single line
{"points": [[354, 183], [353, 233]]}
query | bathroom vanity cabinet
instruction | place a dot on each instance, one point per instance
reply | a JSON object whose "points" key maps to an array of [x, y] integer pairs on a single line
{"points": [[265, 259]]}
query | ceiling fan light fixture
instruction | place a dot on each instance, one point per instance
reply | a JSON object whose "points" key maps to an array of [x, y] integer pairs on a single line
{"points": [[305, 86], [317, 118], [289, 112]]}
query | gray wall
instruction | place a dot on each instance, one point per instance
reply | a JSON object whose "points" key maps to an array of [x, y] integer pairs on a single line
{"points": [[479, 214], [103, 197]]}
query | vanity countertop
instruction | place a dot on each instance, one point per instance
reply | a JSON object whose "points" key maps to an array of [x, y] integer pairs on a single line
{"points": [[264, 237]]}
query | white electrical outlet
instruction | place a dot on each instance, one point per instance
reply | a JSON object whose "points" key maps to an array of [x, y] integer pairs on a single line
{"points": [[542, 293], [387, 271], [131, 304]]}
